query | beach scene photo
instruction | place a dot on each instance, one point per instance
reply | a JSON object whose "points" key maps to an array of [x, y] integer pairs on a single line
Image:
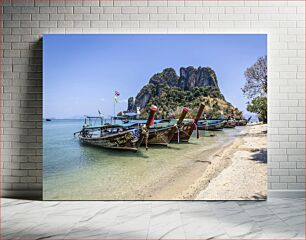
{"points": [[155, 116]]}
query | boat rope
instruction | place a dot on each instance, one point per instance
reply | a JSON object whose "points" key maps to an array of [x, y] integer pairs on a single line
{"points": [[195, 122], [178, 133], [145, 132], [146, 139]]}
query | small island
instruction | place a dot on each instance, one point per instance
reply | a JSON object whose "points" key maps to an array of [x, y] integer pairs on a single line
{"points": [[172, 92]]}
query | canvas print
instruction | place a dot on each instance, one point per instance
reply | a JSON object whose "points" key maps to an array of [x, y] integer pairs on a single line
{"points": [[155, 117]]}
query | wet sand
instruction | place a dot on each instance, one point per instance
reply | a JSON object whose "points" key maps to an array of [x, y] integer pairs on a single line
{"points": [[246, 176], [234, 171]]}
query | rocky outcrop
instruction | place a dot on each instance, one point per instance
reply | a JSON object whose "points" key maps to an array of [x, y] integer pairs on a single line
{"points": [[191, 77], [169, 91]]}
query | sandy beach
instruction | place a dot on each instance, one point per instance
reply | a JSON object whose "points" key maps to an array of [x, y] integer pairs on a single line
{"points": [[245, 178], [236, 171]]}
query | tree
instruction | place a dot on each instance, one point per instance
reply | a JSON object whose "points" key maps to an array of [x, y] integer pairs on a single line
{"points": [[256, 87], [259, 106], [256, 79]]}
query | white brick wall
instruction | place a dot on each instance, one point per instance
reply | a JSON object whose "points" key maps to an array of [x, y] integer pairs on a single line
{"points": [[24, 22]]}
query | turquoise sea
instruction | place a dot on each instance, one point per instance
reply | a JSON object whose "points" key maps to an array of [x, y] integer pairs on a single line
{"points": [[72, 171]]}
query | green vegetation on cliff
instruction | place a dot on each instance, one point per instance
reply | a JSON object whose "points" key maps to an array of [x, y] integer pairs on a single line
{"points": [[171, 93]]}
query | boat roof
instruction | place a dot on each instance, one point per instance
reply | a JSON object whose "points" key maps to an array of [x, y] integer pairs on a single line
{"points": [[125, 125], [94, 117], [130, 114]]}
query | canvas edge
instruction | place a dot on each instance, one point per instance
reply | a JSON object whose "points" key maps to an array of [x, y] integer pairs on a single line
{"points": [[38, 194]]}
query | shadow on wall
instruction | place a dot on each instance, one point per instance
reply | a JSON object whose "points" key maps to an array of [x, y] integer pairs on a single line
{"points": [[30, 144]]}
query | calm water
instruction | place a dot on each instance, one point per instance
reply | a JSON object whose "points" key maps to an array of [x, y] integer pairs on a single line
{"points": [[75, 171]]}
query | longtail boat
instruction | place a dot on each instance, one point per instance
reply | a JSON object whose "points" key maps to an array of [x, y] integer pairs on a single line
{"points": [[230, 123], [113, 136], [185, 129], [243, 122], [162, 133], [211, 125]]}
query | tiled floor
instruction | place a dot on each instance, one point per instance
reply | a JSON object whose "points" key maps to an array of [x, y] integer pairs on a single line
{"points": [[272, 219]]}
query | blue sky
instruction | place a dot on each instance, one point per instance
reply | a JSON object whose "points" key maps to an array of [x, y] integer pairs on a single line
{"points": [[81, 72]]}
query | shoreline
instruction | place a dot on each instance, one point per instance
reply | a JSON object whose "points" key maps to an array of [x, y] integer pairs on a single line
{"points": [[226, 174], [246, 176]]}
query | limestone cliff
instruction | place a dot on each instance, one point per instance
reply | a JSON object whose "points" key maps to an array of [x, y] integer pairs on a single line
{"points": [[171, 92]]}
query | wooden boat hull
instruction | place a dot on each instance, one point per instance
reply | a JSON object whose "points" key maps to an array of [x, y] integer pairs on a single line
{"points": [[230, 124], [242, 123], [185, 133], [160, 136], [123, 141], [212, 127]]}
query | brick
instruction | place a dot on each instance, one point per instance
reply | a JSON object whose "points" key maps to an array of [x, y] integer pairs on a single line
{"points": [[130, 24], [287, 165], [21, 16], [11, 24], [91, 16], [279, 186], [29, 24], [119, 17], [11, 9], [40, 3], [104, 17], [98, 24], [40, 16], [96, 10], [57, 17], [91, 3], [191, 17], [296, 172], [27, 179], [73, 16], [74, 3], [296, 186], [23, 3], [81, 9], [138, 3], [158, 3], [148, 24], [21, 31], [167, 24], [122, 3], [63, 10], [57, 3], [287, 179], [45, 24], [160, 17], [112, 10], [29, 10], [147, 9], [81, 24], [176, 17], [186, 9], [140, 17], [65, 24], [129, 10], [166, 9]]}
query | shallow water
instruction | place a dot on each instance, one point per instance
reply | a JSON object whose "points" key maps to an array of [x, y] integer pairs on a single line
{"points": [[73, 171]]}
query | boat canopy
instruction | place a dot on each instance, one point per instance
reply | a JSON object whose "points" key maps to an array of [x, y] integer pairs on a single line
{"points": [[130, 114], [91, 121]]}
